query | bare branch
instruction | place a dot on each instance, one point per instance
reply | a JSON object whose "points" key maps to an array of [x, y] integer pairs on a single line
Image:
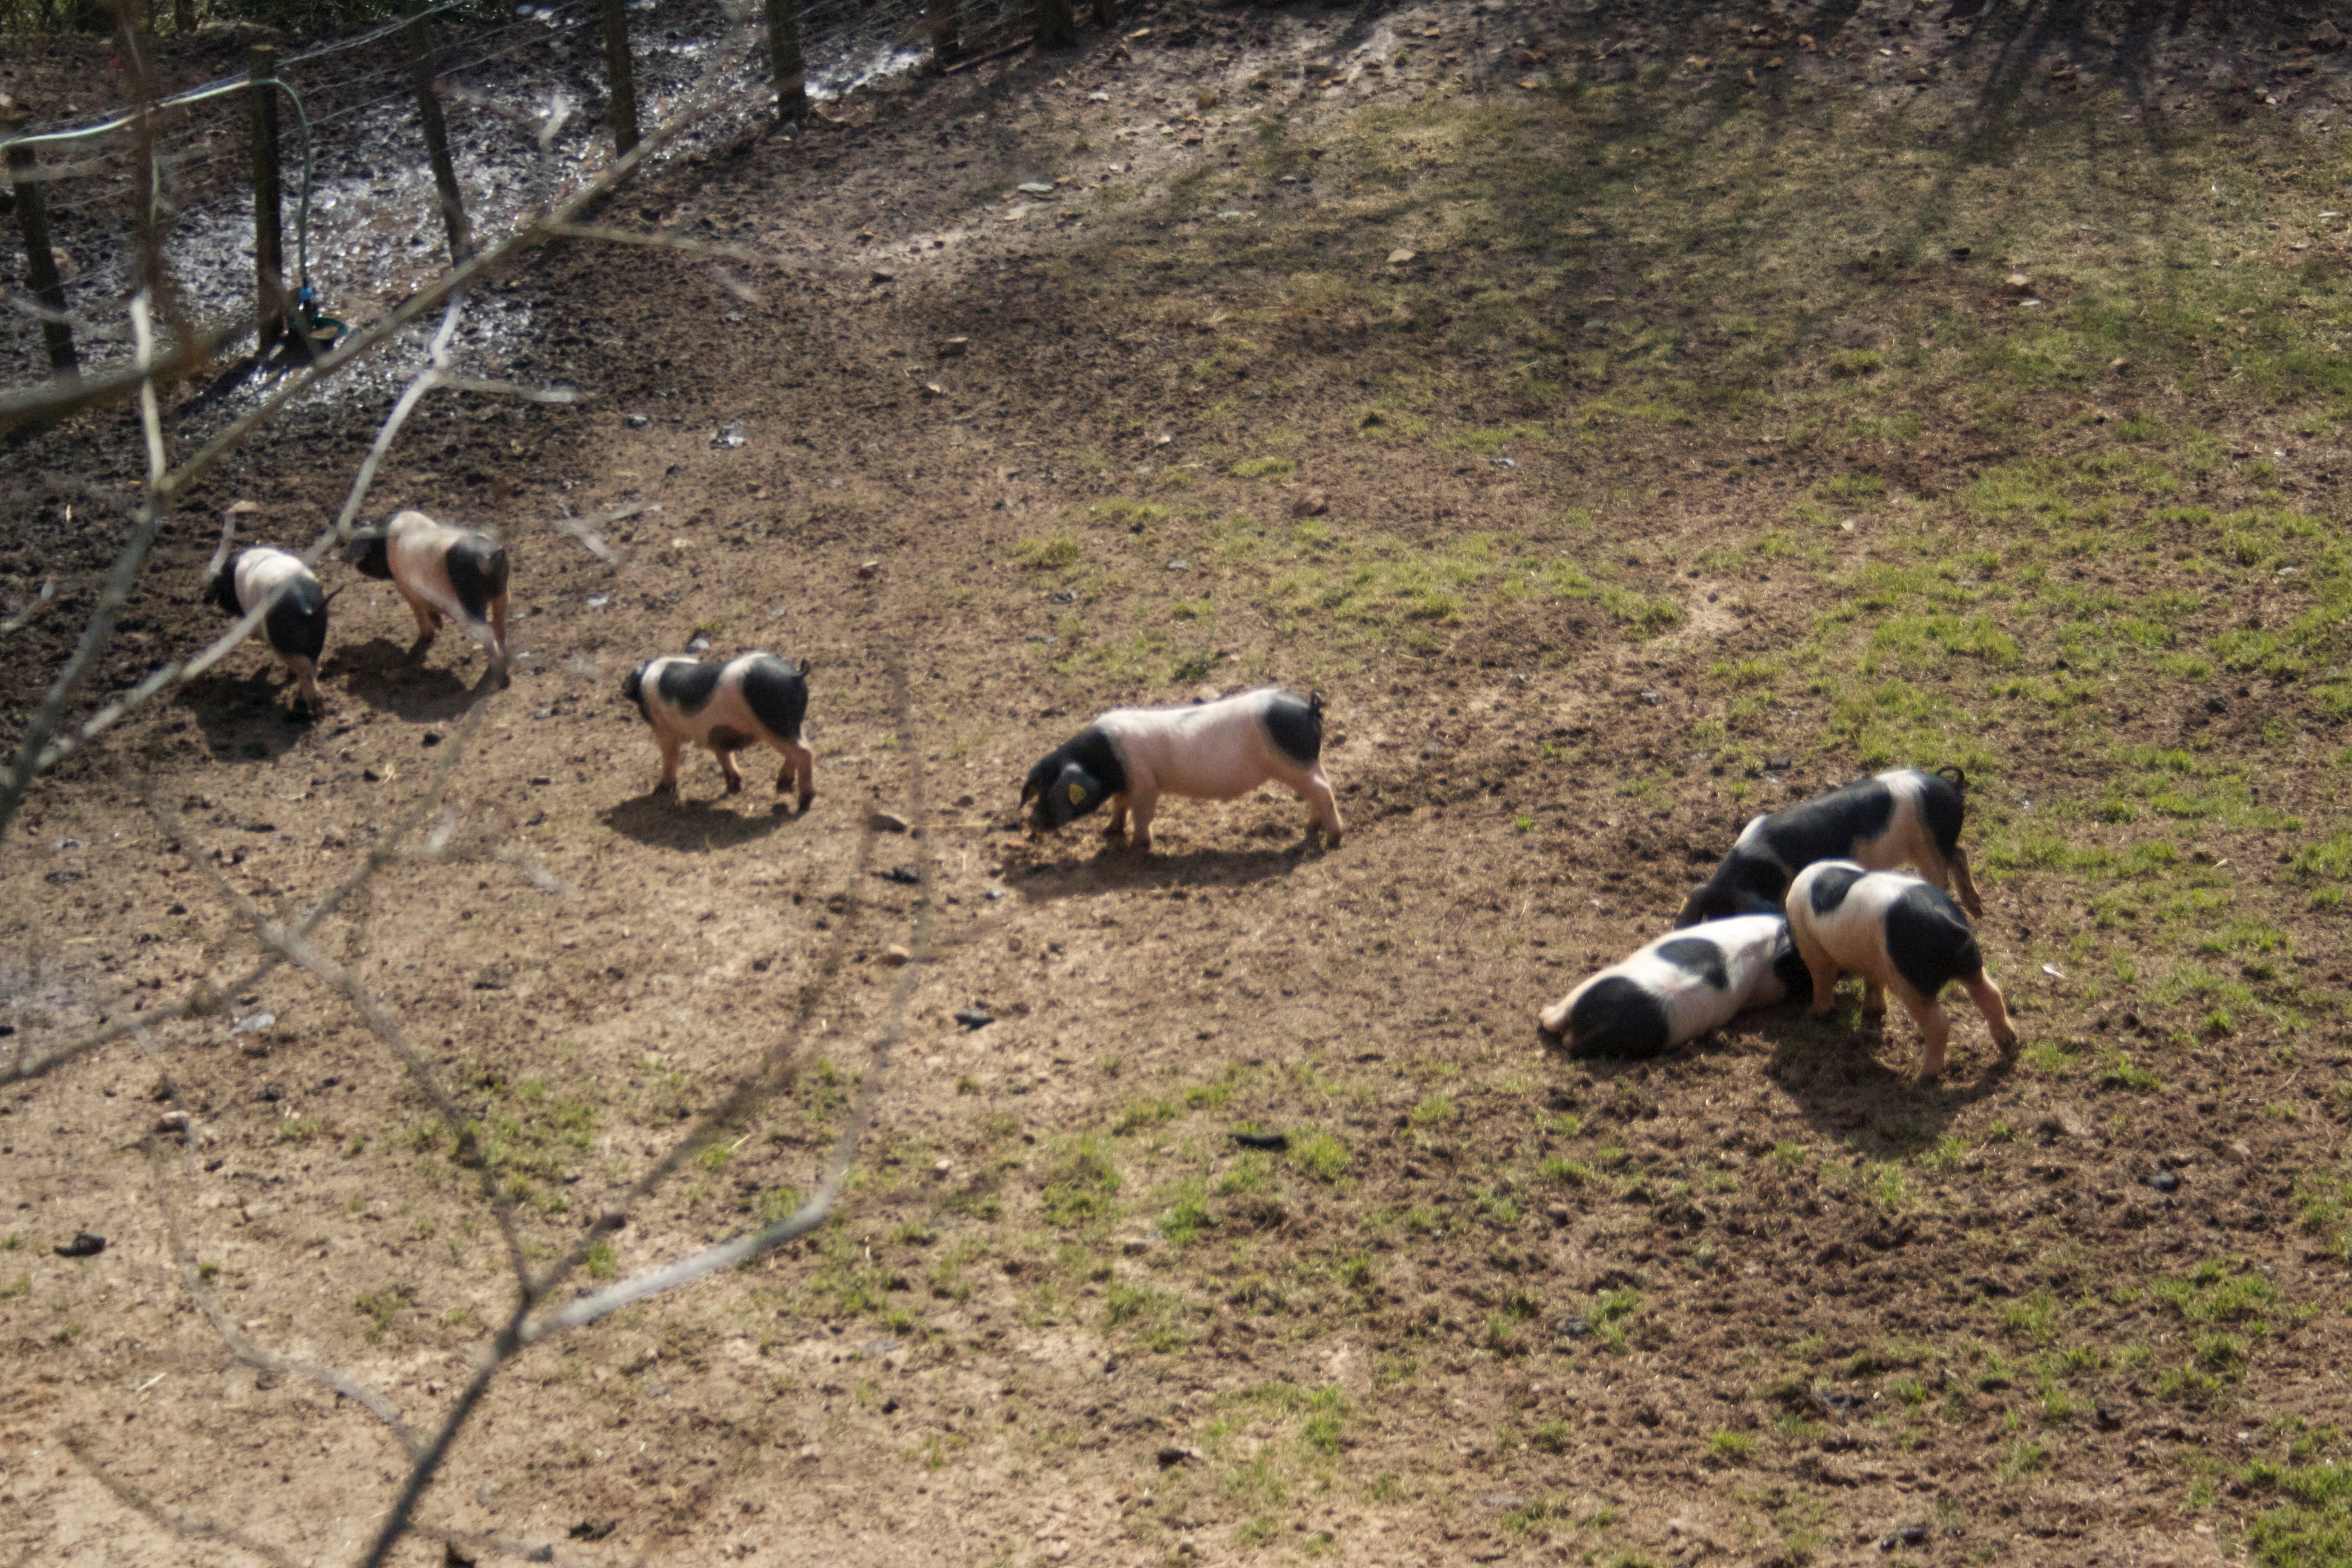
{"points": [[377, 1017], [33, 606], [186, 1528], [815, 1212], [192, 1276], [679, 242], [205, 998]]}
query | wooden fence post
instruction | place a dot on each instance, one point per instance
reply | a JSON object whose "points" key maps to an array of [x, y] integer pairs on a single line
{"points": [[41, 262], [1057, 27], [417, 40], [1102, 13], [269, 207], [617, 67], [785, 52], [945, 43]]}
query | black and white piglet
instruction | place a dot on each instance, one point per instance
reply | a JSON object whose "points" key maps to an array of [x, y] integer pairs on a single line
{"points": [[1906, 817], [1900, 934], [441, 572], [296, 625], [1678, 988], [1209, 750], [751, 700]]}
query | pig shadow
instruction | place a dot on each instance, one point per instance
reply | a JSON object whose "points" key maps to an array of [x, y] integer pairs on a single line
{"points": [[250, 717], [1116, 867], [1859, 1085], [1854, 1085], [380, 673], [694, 827]]}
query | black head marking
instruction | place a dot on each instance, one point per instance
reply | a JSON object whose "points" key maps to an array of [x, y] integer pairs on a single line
{"points": [[1074, 792], [1944, 807], [1831, 885], [1697, 957], [632, 690], [372, 554], [1722, 897], [1616, 1017], [1090, 751], [220, 588], [1789, 965], [1929, 941]]}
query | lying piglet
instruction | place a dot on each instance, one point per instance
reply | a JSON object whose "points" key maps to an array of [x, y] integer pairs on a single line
{"points": [[1900, 934], [1899, 817], [441, 572], [1678, 988], [296, 625], [753, 699], [1210, 751]]}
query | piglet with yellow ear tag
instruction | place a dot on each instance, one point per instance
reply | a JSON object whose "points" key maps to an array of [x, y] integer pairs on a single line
{"points": [[1210, 751]]}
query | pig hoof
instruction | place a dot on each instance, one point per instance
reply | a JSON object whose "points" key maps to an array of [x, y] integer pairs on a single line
{"points": [[666, 788]]}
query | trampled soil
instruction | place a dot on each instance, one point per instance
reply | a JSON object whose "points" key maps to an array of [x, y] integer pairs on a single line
{"points": [[1768, 1300]]}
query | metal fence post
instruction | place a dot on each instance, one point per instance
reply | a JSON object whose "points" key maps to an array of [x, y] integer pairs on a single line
{"points": [[418, 42], [40, 261], [784, 53], [618, 66], [269, 205]]}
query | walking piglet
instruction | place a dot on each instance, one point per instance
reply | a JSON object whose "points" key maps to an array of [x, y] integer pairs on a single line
{"points": [[1898, 817], [1901, 934], [753, 699]]}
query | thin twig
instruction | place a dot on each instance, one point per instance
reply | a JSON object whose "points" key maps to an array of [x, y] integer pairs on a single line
{"points": [[193, 1276], [186, 1528], [33, 606], [610, 236], [204, 998], [372, 1012]]}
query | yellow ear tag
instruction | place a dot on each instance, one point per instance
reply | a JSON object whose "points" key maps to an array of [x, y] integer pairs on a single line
{"points": [[1077, 794]]}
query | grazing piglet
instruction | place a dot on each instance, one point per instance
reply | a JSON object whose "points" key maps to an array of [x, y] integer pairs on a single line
{"points": [[753, 699], [1210, 751], [296, 625], [1678, 988], [1900, 934], [441, 572], [1898, 816]]}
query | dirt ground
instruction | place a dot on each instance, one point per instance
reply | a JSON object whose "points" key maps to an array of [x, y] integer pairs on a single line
{"points": [[1627, 419]]}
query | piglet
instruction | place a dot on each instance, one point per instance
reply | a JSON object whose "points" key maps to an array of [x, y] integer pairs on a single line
{"points": [[296, 624], [753, 699], [1898, 817], [1210, 751], [441, 572], [1678, 988], [1900, 933]]}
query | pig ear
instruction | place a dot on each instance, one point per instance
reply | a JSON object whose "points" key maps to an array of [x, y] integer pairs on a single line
{"points": [[806, 666], [1028, 792]]}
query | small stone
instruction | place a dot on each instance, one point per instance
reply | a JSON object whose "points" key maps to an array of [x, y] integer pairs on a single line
{"points": [[1573, 1328], [173, 1122], [954, 347], [882, 274], [85, 1244], [1400, 256], [1034, 188], [887, 822], [1959, 253], [1309, 503], [1278, 1141], [896, 956], [271, 1093], [867, 569], [1908, 1535], [933, 389], [940, 1167], [2018, 282], [430, 738], [1180, 564], [636, 421], [2164, 1181], [1136, 1245], [1558, 1214], [1172, 1455], [2328, 35], [973, 1018], [1652, 698]]}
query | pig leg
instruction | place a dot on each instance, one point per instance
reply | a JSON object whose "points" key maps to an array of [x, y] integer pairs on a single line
{"points": [[1322, 811], [1819, 965], [727, 765], [1988, 1001], [1118, 823], [499, 635], [800, 764], [669, 750], [1932, 1030], [1142, 802], [1967, 884], [428, 623], [1874, 998], [306, 684]]}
